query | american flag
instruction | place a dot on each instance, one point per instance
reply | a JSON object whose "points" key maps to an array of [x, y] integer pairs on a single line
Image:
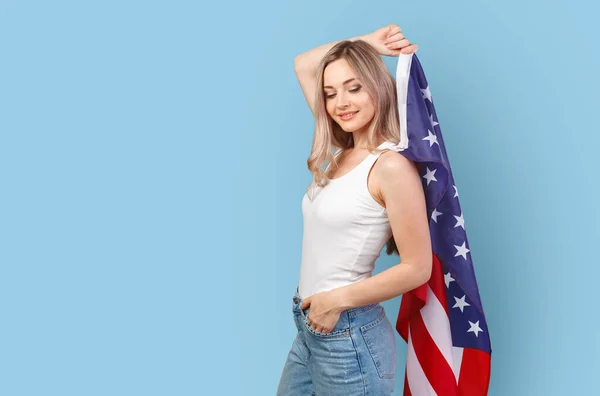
{"points": [[442, 321]]}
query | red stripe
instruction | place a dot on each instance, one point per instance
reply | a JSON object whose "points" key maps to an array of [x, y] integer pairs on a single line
{"points": [[437, 284], [474, 375], [475, 369], [434, 365], [411, 304]]}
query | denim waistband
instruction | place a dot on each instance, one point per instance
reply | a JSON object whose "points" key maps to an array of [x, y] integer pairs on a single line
{"points": [[352, 312]]}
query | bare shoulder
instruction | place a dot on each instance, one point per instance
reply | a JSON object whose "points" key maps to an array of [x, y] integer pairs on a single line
{"points": [[401, 189], [392, 166], [391, 162], [393, 171]]}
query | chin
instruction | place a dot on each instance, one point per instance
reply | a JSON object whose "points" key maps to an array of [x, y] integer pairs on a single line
{"points": [[354, 128]]}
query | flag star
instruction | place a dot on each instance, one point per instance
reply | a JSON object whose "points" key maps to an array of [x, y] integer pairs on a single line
{"points": [[455, 191], [432, 138], [430, 175], [433, 123], [462, 251], [435, 215], [460, 222], [474, 328], [427, 93], [447, 279], [461, 303]]}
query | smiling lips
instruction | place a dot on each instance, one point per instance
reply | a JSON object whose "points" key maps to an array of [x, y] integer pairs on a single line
{"points": [[348, 116]]}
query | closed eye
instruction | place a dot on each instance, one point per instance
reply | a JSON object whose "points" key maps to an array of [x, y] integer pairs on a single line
{"points": [[353, 90]]}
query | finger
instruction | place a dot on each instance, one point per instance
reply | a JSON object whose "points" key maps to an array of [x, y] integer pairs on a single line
{"points": [[305, 303], [411, 49], [398, 44], [393, 29], [395, 37]]}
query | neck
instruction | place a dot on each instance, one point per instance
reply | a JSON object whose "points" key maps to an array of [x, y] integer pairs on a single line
{"points": [[360, 140]]}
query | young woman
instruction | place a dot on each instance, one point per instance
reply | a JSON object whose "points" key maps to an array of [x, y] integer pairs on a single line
{"points": [[368, 196]]}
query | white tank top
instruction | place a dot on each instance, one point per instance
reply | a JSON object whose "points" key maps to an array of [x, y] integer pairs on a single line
{"points": [[345, 229]]}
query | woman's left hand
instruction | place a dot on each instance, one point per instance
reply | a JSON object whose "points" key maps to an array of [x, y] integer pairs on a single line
{"points": [[324, 311], [390, 41]]}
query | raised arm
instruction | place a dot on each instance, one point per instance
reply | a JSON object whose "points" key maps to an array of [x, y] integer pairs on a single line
{"points": [[388, 40], [305, 67]]}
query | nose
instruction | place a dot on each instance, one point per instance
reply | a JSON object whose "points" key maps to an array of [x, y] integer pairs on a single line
{"points": [[342, 101]]}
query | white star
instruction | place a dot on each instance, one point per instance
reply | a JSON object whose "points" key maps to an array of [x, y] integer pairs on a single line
{"points": [[461, 303], [474, 328], [430, 175], [462, 251], [447, 279], [460, 222], [433, 123], [435, 215], [427, 93], [455, 191], [432, 138]]}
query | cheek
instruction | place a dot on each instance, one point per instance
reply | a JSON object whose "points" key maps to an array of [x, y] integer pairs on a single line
{"points": [[330, 107], [366, 102], [368, 107]]}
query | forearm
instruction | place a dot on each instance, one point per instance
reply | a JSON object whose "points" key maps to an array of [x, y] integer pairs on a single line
{"points": [[309, 61], [387, 284]]}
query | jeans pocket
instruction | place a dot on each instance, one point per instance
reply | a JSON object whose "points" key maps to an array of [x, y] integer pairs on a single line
{"points": [[381, 342], [337, 332]]}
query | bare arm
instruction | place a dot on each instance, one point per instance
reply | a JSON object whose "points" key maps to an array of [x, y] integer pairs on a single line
{"points": [[388, 40], [404, 199], [405, 202], [305, 67]]}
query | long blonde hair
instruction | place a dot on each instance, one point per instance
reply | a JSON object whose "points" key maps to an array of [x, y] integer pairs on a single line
{"points": [[381, 86]]}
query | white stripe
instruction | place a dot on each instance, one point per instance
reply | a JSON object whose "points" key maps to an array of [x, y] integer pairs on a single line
{"points": [[417, 380], [437, 323], [458, 354], [402, 74]]}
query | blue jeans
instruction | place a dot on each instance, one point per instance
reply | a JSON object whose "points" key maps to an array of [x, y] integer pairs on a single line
{"points": [[358, 357]]}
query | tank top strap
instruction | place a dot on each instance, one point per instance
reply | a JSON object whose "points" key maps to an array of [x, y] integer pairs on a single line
{"points": [[369, 161], [374, 156]]}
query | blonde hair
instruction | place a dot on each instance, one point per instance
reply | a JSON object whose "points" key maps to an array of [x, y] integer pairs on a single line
{"points": [[380, 85]]}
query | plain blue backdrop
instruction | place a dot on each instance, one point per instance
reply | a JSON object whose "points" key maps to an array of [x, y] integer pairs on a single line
{"points": [[153, 160]]}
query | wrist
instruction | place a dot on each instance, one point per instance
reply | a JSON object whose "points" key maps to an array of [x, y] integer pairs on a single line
{"points": [[364, 37], [342, 298]]}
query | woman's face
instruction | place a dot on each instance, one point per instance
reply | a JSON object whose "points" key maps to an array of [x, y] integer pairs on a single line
{"points": [[344, 93]]}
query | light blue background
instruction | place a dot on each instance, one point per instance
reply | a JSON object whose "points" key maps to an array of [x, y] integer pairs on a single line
{"points": [[153, 160]]}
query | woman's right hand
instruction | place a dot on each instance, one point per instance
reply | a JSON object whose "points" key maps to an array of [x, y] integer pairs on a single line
{"points": [[390, 41]]}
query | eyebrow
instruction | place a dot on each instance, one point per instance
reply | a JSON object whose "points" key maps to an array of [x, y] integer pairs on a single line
{"points": [[344, 83]]}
